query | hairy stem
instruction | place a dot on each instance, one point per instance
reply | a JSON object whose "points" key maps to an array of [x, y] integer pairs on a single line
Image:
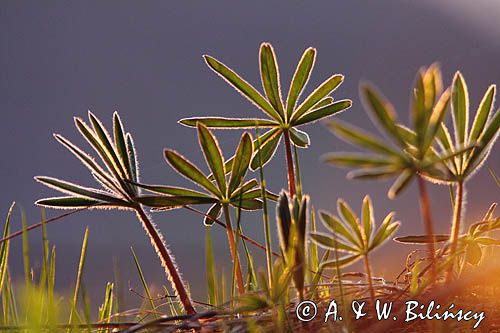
{"points": [[167, 260], [289, 164], [455, 228], [234, 253], [425, 208], [368, 271]]}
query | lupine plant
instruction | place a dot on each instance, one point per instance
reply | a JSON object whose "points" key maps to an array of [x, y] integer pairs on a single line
{"points": [[481, 135], [283, 117], [117, 187], [221, 194], [291, 218], [354, 236], [413, 155]]}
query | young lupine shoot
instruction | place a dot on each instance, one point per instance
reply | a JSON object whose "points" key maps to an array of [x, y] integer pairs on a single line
{"points": [[283, 117], [481, 136], [354, 236], [291, 218], [470, 244], [220, 194], [119, 157], [412, 155]]}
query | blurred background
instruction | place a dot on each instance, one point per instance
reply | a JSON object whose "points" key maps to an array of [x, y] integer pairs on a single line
{"points": [[59, 59]]}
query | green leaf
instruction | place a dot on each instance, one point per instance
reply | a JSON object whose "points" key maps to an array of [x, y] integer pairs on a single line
{"points": [[403, 180], [335, 226], [300, 78], [267, 150], [436, 119], [460, 108], [105, 143], [270, 77], [324, 102], [220, 122], [318, 94], [348, 216], [120, 143], [69, 202], [342, 262], [378, 239], [242, 158], [382, 110], [488, 241], [189, 170], [483, 111], [367, 218], [323, 112], [473, 254], [250, 204], [299, 138], [358, 160], [168, 202], [358, 137], [375, 173], [172, 190], [213, 214], [213, 155], [487, 139], [242, 86], [329, 243], [132, 157], [88, 162], [422, 239], [70, 188]]}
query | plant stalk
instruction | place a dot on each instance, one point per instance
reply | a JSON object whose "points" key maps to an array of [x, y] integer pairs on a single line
{"points": [[425, 208], [265, 215], [167, 260], [368, 271], [455, 228], [289, 162], [234, 253]]}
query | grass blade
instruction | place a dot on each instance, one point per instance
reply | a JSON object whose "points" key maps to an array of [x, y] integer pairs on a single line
{"points": [[74, 301], [144, 283]]}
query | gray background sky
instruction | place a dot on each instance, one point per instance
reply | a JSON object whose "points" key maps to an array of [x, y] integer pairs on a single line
{"points": [[59, 58]]}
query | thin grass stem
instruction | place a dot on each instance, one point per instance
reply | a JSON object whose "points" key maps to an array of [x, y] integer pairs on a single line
{"points": [[369, 277]]}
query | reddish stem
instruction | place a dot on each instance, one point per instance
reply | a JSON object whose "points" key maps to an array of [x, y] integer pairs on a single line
{"points": [[289, 163], [425, 208]]}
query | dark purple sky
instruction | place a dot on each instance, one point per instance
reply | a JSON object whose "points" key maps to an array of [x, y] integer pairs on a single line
{"points": [[58, 59]]}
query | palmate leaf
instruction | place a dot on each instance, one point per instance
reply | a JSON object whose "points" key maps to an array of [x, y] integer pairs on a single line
{"points": [[70, 203], [241, 86], [242, 158], [213, 155], [382, 111], [300, 78], [325, 89], [219, 122], [266, 151], [189, 170], [349, 218], [322, 112], [356, 136], [284, 117], [460, 108], [270, 77], [169, 202], [80, 191]]}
